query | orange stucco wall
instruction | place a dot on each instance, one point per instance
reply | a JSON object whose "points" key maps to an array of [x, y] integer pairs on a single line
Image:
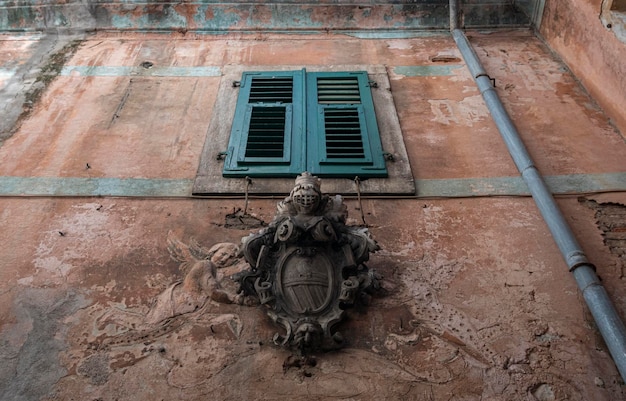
{"points": [[595, 55]]}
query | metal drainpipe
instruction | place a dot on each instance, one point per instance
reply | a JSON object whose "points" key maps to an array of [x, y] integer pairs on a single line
{"points": [[608, 321], [454, 14]]}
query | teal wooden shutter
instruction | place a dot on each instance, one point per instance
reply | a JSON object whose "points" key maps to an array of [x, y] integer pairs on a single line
{"points": [[267, 135], [342, 132], [290, 121]]}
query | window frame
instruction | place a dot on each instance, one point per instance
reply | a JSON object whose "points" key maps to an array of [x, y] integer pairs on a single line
{"points": [[209, 182]]}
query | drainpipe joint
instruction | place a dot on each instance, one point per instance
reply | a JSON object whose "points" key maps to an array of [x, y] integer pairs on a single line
{"points": [[577, 258]]}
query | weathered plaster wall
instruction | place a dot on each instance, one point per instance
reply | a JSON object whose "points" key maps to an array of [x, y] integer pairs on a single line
{"points": [[573, 29], [478, 304], [210, 15]]}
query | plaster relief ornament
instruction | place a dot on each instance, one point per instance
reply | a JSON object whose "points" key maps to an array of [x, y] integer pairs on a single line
{"points": [[307, 267]]}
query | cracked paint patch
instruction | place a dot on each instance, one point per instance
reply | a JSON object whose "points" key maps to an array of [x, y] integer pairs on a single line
{"points": [[468, 111]]}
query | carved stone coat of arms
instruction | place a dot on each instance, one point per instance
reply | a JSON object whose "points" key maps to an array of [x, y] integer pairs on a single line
{"points": [[307, 267]]}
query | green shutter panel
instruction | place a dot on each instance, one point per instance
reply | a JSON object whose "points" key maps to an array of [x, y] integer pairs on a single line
{"points": [[267, 135], [342, 132]]}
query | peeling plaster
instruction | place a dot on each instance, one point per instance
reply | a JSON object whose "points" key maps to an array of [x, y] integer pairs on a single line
{"points": [[30, 348]]}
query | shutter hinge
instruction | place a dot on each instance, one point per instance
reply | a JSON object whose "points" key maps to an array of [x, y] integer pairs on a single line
{"points": [[236, 84], [221, 155], [373, 84], [389, 157]]}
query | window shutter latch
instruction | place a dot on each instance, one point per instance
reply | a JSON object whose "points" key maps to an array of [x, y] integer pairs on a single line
{"points": [[373, 84], [389, 157], [221, 155]]}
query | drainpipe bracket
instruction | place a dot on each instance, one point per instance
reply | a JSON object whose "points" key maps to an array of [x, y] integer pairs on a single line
{"points": [[493, 80]]}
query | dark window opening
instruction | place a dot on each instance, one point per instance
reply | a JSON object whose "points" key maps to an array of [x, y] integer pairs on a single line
{"points": [[266, 134], [271, 90], [343, 134]]}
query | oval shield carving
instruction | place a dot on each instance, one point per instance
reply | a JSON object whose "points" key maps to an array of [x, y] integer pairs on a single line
{"points": [[305, 281]]}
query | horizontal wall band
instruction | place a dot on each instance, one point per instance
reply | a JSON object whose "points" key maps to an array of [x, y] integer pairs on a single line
{"points": [[426, 70], [146, 187], [515, 186], [214, 71], [69, 186], [208, 71], [152, 71]]}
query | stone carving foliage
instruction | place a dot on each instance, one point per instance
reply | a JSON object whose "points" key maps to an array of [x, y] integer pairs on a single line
{"points": [[307, 266]]}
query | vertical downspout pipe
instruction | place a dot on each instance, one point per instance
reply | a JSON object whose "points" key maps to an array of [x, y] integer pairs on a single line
{"points": [[454, 15], [606, 317]]}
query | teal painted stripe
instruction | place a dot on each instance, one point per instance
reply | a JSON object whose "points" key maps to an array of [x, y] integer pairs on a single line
{"points": [[515, 186], [426, 70], [467, 187], [53, 186], [145, 187], [121, 71], [399, 34]]}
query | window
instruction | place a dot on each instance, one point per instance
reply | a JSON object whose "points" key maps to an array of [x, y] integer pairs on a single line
{"points": [[221, 121], [292, 121]]}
